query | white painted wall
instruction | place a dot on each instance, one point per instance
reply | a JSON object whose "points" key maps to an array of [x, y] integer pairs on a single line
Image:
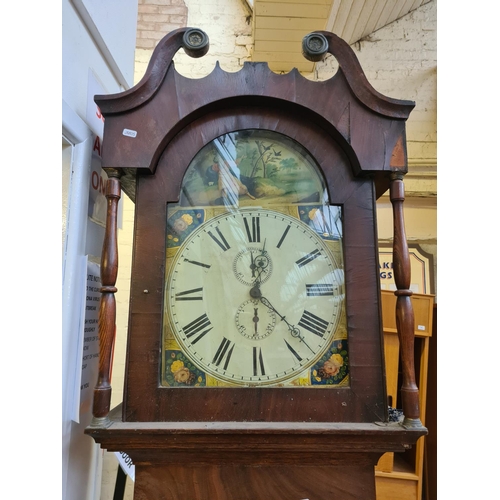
{"points": [[400, 61], [97, 37], [81, 50]]}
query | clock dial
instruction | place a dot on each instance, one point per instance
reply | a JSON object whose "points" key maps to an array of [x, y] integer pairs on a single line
{"points": [[253, 297], [252, 263], [254, 320]]}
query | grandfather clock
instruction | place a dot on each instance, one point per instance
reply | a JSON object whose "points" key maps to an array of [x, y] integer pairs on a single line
{"points": [[255, 362]]}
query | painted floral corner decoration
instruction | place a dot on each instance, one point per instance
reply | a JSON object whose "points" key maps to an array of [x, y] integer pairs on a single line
{"points": [[333, 367], [180, 372], [181, 225]]}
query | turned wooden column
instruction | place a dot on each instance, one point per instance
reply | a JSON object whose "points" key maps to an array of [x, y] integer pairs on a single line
{"points": [[107, 309], [405, 320]]}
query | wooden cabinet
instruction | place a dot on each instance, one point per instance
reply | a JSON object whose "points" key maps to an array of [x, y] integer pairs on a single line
{"points": [[399, 476]]}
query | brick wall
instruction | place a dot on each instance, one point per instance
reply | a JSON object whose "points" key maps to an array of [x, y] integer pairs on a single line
{"points": [[227, 22], [156, 18]]}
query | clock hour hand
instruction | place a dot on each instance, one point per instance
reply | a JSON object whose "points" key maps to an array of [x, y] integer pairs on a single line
{"points": [[252, 265], [255, 319], [258, 264]]}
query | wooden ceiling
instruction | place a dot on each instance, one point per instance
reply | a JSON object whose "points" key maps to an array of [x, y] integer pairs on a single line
{"points": [[280, 25]]}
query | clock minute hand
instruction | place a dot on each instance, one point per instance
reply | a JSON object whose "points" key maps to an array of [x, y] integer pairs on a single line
{"points": [[293, 329], [270, 306], [264, 247]]}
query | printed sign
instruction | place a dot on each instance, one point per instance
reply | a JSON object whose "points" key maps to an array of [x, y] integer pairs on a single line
{"points": [[90, 348], [421, 265], [126, 464]]}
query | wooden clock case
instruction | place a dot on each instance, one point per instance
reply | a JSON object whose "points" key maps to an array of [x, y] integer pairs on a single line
{"points": [[248, 443]]}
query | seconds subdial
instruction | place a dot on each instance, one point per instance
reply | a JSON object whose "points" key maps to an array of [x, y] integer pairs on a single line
{"points": [[255, 321], [252, 264]]}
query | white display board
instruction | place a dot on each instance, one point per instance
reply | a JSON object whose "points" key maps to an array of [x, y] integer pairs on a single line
{"points": [[88, 358]]}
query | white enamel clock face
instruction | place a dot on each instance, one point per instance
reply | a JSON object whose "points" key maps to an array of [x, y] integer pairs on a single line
{"points": [[253, 297]]}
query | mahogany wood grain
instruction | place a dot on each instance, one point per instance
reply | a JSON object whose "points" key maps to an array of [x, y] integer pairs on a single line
{"points": [[258, 443], [368, 125], [364, 399], [270, 482], [107, 308], [351, 130], [253, 460], [254, 443], [350, 66], [405, 320]]}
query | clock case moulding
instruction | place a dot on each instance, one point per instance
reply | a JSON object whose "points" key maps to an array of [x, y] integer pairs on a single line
{"points": [[357, 136]]}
